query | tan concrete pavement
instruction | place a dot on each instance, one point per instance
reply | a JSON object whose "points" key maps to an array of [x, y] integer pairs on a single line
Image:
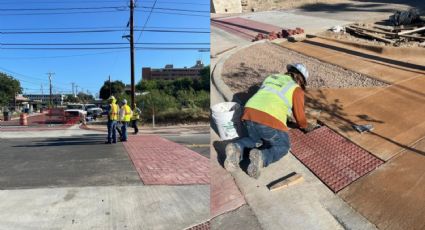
{"points": [[392, 196], [395, 111]]}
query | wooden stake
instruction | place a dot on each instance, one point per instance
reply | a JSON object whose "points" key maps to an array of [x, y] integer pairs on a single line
{"points": [[412, 31], [288, 180]]}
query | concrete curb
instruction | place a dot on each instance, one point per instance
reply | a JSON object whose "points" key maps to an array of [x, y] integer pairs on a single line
{"points": [[216, 78]]}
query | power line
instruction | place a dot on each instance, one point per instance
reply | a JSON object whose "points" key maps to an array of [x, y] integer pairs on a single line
{"points": [[15, 73], [60, 2], [120, 8], [101, 44], [102, 2], [173, 9], [104, 48], [104, 11], [147, 20], [105, 27], [100, 31], [175, 13], [65, 8], [61, 56], [54, 13]]}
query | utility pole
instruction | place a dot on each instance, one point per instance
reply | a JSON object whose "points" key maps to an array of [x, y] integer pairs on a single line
{"points": [[110, 86], [132, 51], [73, 84], [42, 92], [50, 83], [76, 89]]}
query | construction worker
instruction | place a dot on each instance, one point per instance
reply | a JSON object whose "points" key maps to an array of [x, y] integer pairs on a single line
{"points": [[125, 117], [112, 120], [265, 116], [135, 118]]}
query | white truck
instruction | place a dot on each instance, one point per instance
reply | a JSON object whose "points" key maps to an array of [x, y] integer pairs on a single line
{"points": [[74, 108]]}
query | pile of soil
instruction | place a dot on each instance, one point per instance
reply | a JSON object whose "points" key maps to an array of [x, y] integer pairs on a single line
{"points": [[351, 38], [247, 69]]}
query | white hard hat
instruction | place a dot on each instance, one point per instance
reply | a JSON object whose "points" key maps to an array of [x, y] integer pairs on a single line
{"points": [[301, 68], [124, 101]]}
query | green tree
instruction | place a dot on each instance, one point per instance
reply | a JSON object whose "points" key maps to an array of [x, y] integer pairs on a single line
{"points": [[155, 102], [186, 98], [9, 87], [117, 89], [205, 78], [202, 100], [85, 98], [71, 99]]}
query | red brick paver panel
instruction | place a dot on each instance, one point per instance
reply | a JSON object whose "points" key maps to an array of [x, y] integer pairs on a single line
{"points": [[225, 194], [203, 226], [162, 162], [335, 160], [244, 28]]}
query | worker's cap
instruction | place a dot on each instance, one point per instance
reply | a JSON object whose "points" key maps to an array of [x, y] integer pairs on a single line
{"points": [[124, 101], [111, 98], [300, 68]]}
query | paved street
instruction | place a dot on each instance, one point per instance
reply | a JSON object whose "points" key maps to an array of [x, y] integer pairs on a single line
{"points": [[46, 173], [199, 143]]}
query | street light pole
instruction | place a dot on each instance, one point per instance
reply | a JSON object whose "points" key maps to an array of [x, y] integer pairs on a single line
{"points": [[50, 83]]}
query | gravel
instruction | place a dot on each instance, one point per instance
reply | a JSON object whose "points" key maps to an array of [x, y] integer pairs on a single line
{"points": [[249, 67]]}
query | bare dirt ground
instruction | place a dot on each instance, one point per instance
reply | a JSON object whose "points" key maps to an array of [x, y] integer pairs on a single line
{"points": [[247, 69]]}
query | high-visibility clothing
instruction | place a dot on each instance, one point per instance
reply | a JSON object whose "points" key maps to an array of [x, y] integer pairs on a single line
{"points": [[113, 112], [136, 114], [126, 113], [274, 97]]}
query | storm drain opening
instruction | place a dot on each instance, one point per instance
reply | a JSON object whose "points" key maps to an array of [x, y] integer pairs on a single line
{"points": [[335, 160]]}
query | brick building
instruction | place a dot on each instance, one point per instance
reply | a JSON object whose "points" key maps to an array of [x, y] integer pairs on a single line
{"points": [[171, 73]]}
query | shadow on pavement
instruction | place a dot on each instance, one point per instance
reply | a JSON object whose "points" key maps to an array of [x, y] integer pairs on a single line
{"points": [[88, 139], [220, 147], [361, 6]]}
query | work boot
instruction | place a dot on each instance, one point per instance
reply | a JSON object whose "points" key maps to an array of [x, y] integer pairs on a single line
{"points": [[233, 156], [256, 158]]}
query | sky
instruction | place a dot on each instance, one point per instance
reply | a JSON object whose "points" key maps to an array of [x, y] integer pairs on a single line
{"points": [[88, 69]]}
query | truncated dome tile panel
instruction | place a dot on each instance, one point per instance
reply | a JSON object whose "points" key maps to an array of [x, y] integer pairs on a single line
{"points": [[203, 226], [335, 160]]}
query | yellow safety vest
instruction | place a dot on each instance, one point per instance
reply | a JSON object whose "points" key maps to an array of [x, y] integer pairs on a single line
{"points": [[113, 112], [127, 113], [275, 97], [136, 115]]}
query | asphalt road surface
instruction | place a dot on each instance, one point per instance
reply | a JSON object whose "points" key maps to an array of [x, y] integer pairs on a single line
{"points": [[64, 162], [199, 143]]}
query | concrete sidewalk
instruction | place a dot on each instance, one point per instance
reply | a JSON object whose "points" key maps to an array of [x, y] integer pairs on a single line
{"points": [[111, 207], [309, 205]]}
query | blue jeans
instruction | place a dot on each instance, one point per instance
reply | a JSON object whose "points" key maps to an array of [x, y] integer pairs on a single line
{"points": [[124, 131], [112, 133], [273, 143]]}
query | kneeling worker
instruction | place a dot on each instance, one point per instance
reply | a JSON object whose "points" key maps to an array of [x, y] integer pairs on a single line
{"points": [[265, 116]]}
